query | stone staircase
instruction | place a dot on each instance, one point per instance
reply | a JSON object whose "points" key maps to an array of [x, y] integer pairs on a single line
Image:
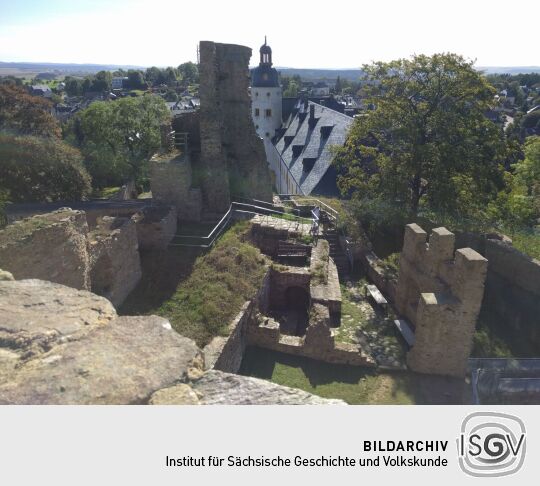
{"points": [[331, 234]]}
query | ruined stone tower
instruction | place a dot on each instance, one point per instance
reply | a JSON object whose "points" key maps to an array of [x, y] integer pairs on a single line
{"points": [[440, 293], [232, 155]]}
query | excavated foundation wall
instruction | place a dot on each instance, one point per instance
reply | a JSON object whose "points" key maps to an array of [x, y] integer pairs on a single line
{"points": [[114, 258], [61, 247], [50, 246]]}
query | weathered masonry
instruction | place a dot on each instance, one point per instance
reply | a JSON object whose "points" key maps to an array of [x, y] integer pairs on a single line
{"points": [[232, 154], [440, 292], [223, 156], [100, 254]]}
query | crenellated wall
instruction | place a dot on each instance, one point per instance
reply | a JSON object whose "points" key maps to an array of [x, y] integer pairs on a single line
{"points": [[440, 292]]}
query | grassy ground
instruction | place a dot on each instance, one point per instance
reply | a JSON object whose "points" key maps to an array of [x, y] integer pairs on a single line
{"points": [[362, 324], [527, 243], [104, 193], [210, 291], [355, 385]]}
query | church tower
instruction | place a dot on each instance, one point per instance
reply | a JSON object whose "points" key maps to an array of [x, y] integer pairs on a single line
{"points": [[266, 95]]}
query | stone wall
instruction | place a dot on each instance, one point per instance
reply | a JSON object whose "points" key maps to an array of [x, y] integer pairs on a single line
{"points": [[268, 231], [326, 291], [189, 123], [170, 182], [440, 293], [60, 247], [49, 246], [318, 342], [283, 278], [513, 289], [114, 258], [226, 353], [156, 226], [232, 155]]}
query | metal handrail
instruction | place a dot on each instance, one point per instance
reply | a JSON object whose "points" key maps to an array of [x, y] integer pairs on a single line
{"points": [[333, 214], [220, 226]]}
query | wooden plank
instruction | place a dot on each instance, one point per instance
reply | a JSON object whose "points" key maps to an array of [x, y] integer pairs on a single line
{"points": [[405, 330], [376, 294]]}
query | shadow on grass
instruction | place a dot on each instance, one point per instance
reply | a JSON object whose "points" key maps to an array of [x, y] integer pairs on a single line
{"points": [[162, 271], [355, 385], [261, 363]]}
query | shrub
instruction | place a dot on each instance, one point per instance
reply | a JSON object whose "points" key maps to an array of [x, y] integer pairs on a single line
{"points": [[36, 169]]}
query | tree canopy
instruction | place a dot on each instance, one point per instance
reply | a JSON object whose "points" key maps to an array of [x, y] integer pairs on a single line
{"points": [[25, 114], [117, 138], [189, 72], [518, 205], [35, 169], [427, 143]]}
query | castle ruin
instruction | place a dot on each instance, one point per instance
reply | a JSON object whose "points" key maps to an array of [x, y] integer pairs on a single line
{"points": [[440, 292], [222, 146]]}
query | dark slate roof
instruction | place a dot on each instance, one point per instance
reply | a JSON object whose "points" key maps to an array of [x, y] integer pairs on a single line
{"points": [[264, 76], [313, 141]]}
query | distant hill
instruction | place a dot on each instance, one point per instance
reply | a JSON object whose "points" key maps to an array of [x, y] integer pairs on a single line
{"points": [[354, 74], [32, 68], [509, 70], [321, 74]]}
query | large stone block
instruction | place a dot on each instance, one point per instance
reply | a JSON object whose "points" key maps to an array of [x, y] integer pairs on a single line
{"points": [[48, 246]]}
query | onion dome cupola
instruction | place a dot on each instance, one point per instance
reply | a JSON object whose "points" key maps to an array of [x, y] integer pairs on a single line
{"points": [[265, 76]]}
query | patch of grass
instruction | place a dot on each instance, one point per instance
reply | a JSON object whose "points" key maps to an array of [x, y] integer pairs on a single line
{"points": [[105, 193], [279, 268], [390, 266], [220, 282], [290, 217], [305, 239], [361, 324], [319, 274], [355, 385], [528, 243]]}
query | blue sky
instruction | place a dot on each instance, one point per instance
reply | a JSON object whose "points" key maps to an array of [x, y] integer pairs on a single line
{"points": [[331, 34]]}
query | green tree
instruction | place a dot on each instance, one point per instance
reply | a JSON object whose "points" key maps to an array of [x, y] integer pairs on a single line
{"points": [[117, 138], [189, 72], [518, 206], [102, 81], [427, 142], [531, 120], [136, 80], [26, 114], [40, 170], [152, 75]]}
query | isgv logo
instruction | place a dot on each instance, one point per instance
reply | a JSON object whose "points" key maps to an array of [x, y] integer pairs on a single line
{"points": [[491, 444]]}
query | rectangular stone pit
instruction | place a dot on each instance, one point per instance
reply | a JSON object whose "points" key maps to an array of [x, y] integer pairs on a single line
{"points": [[114, 258]]}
